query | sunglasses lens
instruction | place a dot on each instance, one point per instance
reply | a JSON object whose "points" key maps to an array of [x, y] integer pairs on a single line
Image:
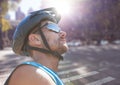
{"points": [[53, 27]]}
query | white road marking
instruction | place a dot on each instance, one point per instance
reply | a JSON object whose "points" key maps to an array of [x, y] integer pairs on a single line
{"points": [[72, 70], [5, 75], [102, 81], [66, 66], [103, 69], [79, 76], [64, 62]]}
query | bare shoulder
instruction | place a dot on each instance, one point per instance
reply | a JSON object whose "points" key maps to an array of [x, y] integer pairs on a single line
{"points": [[29, 75]]}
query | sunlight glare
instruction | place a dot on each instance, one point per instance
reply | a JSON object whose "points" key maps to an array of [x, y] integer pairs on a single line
{"points": [[63, 7]]}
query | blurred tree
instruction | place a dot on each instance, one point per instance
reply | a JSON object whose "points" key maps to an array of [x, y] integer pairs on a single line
{"points": [[4, 6], [4, 24]]}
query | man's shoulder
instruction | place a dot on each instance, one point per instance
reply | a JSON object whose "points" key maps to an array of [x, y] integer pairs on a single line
{"points": [[30, 75]]}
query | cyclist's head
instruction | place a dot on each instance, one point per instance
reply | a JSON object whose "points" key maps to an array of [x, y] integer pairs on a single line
{"points": [[32, 23]]}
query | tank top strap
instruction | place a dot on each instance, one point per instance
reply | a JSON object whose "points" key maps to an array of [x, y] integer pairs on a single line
{"points": [[50, 72]]}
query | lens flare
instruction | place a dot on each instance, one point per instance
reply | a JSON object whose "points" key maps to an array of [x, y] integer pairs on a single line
{"points": [[63, 7]]}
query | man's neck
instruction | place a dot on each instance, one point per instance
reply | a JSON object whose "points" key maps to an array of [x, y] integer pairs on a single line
{"points": [[47, 60]]}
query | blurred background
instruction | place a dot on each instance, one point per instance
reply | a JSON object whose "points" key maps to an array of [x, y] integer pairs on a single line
{"points": [[85, 21], [93, 35]]}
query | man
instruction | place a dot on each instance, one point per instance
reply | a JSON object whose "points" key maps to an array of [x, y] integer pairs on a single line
{"points": [[39, 36]]}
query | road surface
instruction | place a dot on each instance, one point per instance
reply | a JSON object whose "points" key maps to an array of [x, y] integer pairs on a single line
{"points": [[82, 65]]}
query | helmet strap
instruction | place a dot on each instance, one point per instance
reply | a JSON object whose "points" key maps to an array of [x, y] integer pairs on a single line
{"points": [[45, 51], [47, 46], [44, 39]]}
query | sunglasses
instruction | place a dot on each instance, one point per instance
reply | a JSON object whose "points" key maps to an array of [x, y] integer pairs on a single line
{"points": [[52, 26]]}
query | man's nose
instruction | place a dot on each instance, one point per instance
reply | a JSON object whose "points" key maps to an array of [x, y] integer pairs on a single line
{"points": [[62, 34]]}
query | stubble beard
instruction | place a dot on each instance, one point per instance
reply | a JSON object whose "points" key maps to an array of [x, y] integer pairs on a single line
{"points": [[62, 48]]}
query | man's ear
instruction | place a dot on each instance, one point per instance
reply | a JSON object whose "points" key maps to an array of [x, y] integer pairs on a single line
{"points": [[34, 39]]}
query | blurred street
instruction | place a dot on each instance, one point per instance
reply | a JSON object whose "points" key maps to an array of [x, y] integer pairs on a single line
{"points": [[93, 35], [82, 65]]}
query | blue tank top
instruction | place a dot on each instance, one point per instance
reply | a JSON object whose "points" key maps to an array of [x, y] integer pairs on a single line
{"points": [[50, 72]]}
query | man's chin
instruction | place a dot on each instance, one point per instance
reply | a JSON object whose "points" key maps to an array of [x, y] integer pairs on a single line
{"points": [[64, 49]]}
